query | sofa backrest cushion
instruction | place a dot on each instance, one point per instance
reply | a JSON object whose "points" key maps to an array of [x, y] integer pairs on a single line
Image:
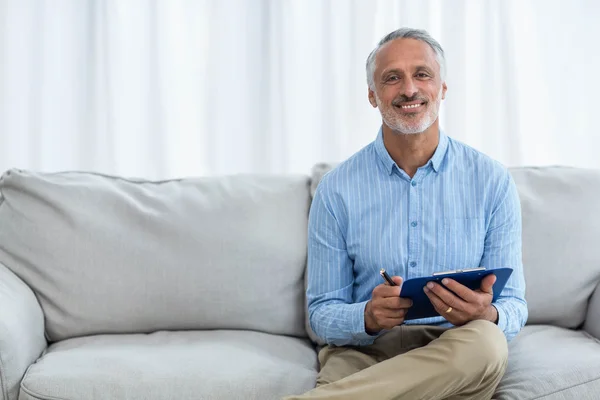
{"points": [[561, 255], [561, 232], [113, 255]]}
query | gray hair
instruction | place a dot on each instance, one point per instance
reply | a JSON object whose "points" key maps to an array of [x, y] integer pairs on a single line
{"points": [[405, 33]]}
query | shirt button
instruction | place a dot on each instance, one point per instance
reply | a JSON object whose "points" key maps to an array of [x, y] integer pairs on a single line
{"points": [[413, 183], [413, 264], [413, 224]]}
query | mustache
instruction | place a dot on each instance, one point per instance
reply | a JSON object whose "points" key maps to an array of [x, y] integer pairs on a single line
{"points": [[405, 99]]}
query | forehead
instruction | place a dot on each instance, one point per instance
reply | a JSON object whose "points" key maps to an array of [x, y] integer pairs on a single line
{"points": [[405, 54]]}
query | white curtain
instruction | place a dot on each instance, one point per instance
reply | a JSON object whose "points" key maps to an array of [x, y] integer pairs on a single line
{"points": [[173, 88]]}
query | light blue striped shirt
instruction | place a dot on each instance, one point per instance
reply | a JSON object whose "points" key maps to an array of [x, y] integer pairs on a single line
{"points": [[460, 210]]}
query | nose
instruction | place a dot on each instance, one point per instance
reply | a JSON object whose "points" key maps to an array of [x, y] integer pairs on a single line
{"points": [[409, 89]]}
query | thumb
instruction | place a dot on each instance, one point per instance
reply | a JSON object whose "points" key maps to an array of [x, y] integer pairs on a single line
{"points": [[487, 283]]}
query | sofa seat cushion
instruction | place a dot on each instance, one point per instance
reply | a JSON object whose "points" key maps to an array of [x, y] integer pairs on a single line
{"points": [[220, 364], [551, 363]]}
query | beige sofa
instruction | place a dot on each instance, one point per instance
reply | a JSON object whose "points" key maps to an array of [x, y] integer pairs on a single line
{"points": [[114, 288]]}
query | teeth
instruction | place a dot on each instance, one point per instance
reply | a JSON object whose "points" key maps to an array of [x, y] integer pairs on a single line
{"points": [[412, 106]]}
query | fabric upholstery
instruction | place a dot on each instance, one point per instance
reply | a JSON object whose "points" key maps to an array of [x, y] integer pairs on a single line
{"points": [[561, 227], [317, 173], [21, 332], [174, 365], [551, 363], [592, 319], [115, 255]]}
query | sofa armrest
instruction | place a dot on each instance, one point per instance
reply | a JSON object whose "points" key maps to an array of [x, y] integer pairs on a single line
{"points": [[592, 319], [22, 337]]}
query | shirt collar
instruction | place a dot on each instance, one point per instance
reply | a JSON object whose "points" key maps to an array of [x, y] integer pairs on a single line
{"points": [[440, 152], [389, 164]]}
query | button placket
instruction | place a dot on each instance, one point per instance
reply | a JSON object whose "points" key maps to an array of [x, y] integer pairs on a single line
{"points": [[413, 234]]}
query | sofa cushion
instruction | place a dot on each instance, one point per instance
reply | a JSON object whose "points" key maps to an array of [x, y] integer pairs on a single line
{"points": [[551, 363], [174, 365], [561, 227], [115, 255]]}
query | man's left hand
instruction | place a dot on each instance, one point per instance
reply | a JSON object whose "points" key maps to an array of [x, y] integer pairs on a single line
{"points": [[464, 305]]}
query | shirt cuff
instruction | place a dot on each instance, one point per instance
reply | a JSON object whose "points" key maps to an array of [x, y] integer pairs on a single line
{"points": [[360, 336], [502, 319]]}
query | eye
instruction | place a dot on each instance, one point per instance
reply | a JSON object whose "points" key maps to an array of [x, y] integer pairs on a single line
{"points": [[392, 78], [422, 75]]}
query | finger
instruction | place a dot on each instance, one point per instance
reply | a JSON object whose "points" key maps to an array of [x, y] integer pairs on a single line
{"points": [[397, 280], [437, 303], [460, 290], [447, 296], [487, 284], [455, 317], [405, 302], [392, 314], [384, 290], [395, 303]]}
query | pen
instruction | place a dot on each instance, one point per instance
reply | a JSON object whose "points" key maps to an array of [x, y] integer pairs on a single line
{"points": [[387, 277]]}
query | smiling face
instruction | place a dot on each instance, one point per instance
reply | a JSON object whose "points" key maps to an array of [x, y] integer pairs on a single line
{"points": [[408, 86]]}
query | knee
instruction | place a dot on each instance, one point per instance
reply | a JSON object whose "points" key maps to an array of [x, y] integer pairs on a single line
{"points": [[487, 349]]}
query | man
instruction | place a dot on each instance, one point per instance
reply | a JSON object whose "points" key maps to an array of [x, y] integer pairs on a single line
{"points": [[413, 202]]}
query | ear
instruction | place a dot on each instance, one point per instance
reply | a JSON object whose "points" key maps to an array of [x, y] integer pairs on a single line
{"points": [[372, 98], [444, 88]]}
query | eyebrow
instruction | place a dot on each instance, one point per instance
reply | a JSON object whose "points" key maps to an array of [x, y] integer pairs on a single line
{"points": [[417, 68], [424, 67]]}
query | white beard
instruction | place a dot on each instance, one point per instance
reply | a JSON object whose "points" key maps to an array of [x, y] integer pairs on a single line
{"points": [[410, 125]]}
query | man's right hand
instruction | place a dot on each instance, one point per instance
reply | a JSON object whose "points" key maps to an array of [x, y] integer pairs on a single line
{"points": [[386, 308]]}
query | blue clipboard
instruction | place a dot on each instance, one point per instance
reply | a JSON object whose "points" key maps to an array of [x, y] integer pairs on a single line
{"points": [[422, 307]]}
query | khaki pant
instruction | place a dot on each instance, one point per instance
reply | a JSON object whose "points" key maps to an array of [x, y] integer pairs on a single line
{"points": [[416, 362]]}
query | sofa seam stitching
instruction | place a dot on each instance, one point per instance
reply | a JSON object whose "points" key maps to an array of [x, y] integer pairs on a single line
{"points": [[1, 194], [117, 177], [39, 396], [590, 336], [34, 394], [3, 382], [567, 388]]}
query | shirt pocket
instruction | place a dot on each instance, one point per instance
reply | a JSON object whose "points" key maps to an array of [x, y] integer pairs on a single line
{"points": [[461, 243]]}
